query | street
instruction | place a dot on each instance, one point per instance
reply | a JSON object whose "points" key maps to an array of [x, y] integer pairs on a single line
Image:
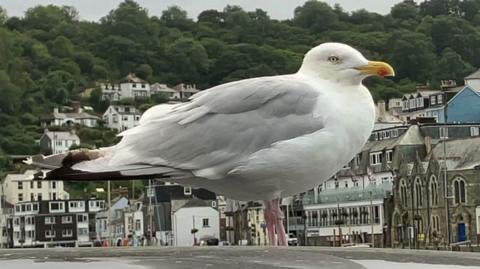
{"points": [[234, 257]]}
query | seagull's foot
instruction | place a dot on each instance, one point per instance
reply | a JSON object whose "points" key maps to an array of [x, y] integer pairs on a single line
{"points": [[274, 219]]}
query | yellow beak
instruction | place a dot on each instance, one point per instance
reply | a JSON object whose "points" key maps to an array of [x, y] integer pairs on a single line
{"points": [[377, 69]]}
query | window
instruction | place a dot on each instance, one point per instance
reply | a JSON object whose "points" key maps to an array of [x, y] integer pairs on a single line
{"points": [[443, 132], [49, 234], [389, 154], [35, 207], [440, 99], [205, 223], [67, 233], [54, 184], [187, 190], [418, 192], [20, 185], [433, 191], [375, 158], [30, 234], [474, 131], [66, 219], [134, 85], [31, 184], [435, 223], [346, 184], [39, 184], [54, 196], [336, 184], [82, 231], [39, 197], [115, 118], [433, 100], [459, 190], [394, 133], [138, 225], [32, 197], [49, 220], [56, 207], [403, 193], [82, 218], [20, 197]]}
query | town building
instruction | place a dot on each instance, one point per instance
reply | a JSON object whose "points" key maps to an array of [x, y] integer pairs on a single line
{"points": [[357, 202], [194, 222], [54, 223], [121, 117], [422, 216], [55, 142], [162, 203], [110, 224], [16, 188], [462, 107], [76, 117], [6, 211]]}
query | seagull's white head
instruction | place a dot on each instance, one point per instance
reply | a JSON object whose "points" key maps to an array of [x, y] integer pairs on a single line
{"points": [[341, 63]]}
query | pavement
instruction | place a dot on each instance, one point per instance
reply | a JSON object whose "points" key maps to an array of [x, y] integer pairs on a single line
{"points": [[235, 257]]}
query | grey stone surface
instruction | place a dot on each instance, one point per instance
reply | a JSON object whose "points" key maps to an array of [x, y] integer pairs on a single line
{"points": [[223, 257]]}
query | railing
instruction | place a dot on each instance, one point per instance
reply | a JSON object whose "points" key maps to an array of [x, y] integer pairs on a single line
{"points": [[349, 194]]}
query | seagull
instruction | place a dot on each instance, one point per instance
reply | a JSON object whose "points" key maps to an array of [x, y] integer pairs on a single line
{"points": [[255, 139]]}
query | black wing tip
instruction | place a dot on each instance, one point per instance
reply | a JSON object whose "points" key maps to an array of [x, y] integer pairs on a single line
{"points": [[69, 174]]}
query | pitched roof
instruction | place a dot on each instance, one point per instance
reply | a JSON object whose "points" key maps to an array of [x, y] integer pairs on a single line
{"points": [[474, 75], [61, 135], [132, 78], [461, 154], [411, 137]]}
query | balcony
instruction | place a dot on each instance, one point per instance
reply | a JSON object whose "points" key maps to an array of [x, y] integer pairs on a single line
{"points": [[349, 194]]}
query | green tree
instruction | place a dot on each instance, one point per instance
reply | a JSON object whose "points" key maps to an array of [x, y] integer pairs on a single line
{"points": [[316, 16]]}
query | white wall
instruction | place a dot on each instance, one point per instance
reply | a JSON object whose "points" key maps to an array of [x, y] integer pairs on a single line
{"points": [[473, 83], [183, 222], [46, 190]]}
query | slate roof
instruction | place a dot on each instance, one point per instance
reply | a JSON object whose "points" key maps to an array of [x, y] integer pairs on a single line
{"points": [[462, 154]]}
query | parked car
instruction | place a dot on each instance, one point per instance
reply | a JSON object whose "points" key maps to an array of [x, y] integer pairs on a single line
{"points": [[292, 240]]}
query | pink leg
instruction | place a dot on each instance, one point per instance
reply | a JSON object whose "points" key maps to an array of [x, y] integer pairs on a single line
{"points": [[270, 220], [274, 218]]}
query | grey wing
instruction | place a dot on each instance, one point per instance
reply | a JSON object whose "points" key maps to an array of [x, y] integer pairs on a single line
{"points": [[220, 127]]}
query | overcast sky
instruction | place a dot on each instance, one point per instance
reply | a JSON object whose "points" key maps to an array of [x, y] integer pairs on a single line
{"points": [[278, 9]]}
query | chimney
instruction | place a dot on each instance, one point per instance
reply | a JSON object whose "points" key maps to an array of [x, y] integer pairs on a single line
{"points": [[76, 106]]}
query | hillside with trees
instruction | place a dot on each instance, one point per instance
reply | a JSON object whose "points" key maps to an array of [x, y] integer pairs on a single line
{"points": [[48, 56]]}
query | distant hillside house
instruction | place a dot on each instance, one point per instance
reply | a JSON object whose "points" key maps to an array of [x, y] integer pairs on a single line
{"points": [[186, 90], [158, 88], [79, 116], [133, 87], [52, 142], [473, 80], [110, 91], [130, 86], [121, 117]]}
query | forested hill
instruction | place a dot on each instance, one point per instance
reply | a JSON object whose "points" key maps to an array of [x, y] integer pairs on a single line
{"points": [[48, 56]]}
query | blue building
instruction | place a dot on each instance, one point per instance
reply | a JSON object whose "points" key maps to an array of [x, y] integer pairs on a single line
{"points": [[463, 107]]}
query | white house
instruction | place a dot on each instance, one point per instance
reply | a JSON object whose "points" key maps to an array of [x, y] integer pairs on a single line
{"points": [[53, 142], [158, 88], [186, 90], [110, 91], [132, 86], [78, 116], [195, 216], [473, 80], [121, 117], [134, 222], [22, 188]]}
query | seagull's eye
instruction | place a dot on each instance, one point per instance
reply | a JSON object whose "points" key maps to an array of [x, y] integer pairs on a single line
{"points": [[333, 59]]}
